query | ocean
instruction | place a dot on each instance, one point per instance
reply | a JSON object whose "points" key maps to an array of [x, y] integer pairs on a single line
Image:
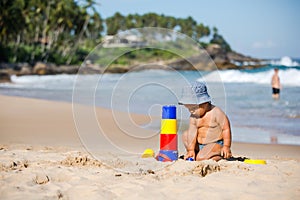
{"points": [[244, 95]]}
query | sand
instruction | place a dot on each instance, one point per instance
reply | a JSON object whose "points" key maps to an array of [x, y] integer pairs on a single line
{"points": [[42, 156]]}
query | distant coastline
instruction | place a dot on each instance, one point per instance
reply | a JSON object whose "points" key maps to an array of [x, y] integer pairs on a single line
{"points": [[220, 60]]}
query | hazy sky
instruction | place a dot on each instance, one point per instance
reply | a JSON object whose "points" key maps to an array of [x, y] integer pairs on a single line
{"points": [[258, 28]]}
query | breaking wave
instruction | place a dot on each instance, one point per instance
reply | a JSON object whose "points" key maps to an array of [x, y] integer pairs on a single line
{"points": [[288, 76]]}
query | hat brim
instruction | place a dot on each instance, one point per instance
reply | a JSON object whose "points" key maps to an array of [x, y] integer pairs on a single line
{"points": [[196, 102]]}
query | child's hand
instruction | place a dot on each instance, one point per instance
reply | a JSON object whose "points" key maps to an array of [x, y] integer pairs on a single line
{"points": [[190, 154], [226, 152]]}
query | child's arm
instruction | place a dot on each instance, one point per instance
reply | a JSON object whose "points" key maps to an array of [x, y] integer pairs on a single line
{"points": [[222, 119], [226, 133], [191, 138]]}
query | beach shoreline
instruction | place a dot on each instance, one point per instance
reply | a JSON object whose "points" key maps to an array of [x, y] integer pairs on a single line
{"points": [[43, 156]]}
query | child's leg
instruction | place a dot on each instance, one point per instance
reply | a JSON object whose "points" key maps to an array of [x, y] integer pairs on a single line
{"points": [[210, 151]]}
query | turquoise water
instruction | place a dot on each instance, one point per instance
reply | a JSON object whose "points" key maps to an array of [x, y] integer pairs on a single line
{"points": [[245, 96]]}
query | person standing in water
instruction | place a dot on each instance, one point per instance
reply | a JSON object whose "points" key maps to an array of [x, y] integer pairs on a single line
{"points": [[275, 84]]}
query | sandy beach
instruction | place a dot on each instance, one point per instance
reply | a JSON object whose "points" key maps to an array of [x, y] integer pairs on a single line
{"points": [[46, 154]]}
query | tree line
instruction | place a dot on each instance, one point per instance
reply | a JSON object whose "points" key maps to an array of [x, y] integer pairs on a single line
{"points": [[65, 31]]}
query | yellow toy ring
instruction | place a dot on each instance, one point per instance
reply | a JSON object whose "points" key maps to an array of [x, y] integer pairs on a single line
{"points": [[148, 153], [249, 161]]}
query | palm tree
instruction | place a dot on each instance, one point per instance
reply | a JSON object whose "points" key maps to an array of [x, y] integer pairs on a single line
{"points": [[115, 23]]}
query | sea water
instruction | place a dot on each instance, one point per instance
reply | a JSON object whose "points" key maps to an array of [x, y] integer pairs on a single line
{"points": [[244, 95]]}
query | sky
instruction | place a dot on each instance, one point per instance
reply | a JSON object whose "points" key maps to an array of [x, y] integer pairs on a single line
{"points": [[256, 28]]}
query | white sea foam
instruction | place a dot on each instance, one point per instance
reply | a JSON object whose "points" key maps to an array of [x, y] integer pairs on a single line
{"points": [[285, 61], [56, 82], [45, 78], [290, 77]]}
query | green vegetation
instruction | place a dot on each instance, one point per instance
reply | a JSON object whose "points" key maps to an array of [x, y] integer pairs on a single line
{"points": [[54, 30], [65, 31], [218, 39], [146, 54]]}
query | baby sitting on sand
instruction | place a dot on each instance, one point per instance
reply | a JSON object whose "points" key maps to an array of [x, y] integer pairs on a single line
{"points": [[209, 134]]}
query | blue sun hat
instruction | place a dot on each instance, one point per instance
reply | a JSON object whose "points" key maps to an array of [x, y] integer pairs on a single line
{"points": [[195, 94]]}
